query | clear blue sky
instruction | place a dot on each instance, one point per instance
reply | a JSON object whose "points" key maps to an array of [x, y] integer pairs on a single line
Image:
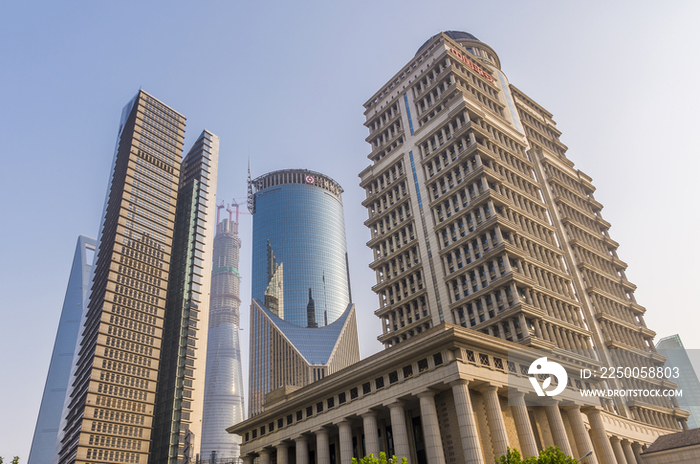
{"points": [[284, 82]]}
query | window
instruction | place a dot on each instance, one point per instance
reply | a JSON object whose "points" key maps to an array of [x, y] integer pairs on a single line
{"points": [[319, 407], [423, 365], [366, 388], [299, 416], [379, 382], [280, 423], [330, 402], [437, 357], [353, 393], [341, 398], [393, 377], [309, 411], [289, 419], [407, 372]]}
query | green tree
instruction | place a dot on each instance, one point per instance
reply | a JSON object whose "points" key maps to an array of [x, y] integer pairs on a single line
{"points": [[551, 455], [380, 460]]}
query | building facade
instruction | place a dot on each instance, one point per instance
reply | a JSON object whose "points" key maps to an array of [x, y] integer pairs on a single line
{"points": [[43, 448], [177, 431], [487, 242], [146, 290], [223, 393], [479, 219], [300, 282], [678, 357]]}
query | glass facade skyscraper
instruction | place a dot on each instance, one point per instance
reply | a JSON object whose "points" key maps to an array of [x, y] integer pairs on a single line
{"points": [[303, 323], [299, 252], [223, 393], [47, 424]]}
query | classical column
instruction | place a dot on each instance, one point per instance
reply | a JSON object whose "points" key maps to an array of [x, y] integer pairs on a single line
{"points": [[606, 455], [629, 453], [247, 459], [556, 425], [323, 449], [302, 450], [399, 432], [282, 453], [264, 457], [467, 423], [583, 440], [617, 449], [345, 435], [497, 426], [522, 424], [431, 430], [369, 424], [637, 450]]}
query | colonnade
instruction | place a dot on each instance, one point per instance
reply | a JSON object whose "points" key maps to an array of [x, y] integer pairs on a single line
{"points": [[608, 450]]}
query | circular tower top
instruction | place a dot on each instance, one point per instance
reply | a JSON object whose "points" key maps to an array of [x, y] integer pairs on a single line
{"points": [[470, 43]]}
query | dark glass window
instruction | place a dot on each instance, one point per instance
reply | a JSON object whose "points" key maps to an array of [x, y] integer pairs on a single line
{"points": [[379, 382], [393, 377], [407, 372], [299, 415], [309, 411], [319, 407], [353, 393], [422, 365], [366, 388], [437, 357], [341, 397], [331, 402]]}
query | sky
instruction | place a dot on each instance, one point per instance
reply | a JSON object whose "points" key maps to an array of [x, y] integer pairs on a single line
{"points": [[283, 83]]}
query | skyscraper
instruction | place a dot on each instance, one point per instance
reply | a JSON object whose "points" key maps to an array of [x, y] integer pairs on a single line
{"points": [[177, 428], [43, 447], [223, 393], [677, 357], [302, 319], [479, 219], [148, 284]]}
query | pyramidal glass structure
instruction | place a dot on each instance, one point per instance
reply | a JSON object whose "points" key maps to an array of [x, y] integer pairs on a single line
{"points": [[223, 392], [303, 325]]}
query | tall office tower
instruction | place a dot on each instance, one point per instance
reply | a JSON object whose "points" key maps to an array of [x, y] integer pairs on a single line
{"points": [[47, 424], [677, 357], [110, 412], [303, 323], [177, 428], [223, 392], [479, 219]]}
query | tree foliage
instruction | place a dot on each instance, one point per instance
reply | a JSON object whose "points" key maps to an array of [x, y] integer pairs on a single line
{"points": [[551, 455], [380, 460]]}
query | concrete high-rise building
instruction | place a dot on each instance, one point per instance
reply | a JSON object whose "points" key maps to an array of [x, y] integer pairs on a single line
{"points": [[303, 324], [177, 429], [479, 219], [487, 243], [43, 447], [677, 357], [147, 291], [223, 392]]}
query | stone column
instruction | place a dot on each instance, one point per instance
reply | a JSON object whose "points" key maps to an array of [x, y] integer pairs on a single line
{"points": [[369, 424], [497, 426], [637, 450], [583, 440], [556, 424], [606, 455], [247, 459], [345, 435], [522, 424], [468, 431], [399, 432], [431, 430], [323, 449], [629, 453], [264, 457], [302, 450], [617, 449], [282, 453]]}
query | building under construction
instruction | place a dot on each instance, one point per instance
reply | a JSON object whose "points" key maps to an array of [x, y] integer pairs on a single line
{"points": [[223, 395]]}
